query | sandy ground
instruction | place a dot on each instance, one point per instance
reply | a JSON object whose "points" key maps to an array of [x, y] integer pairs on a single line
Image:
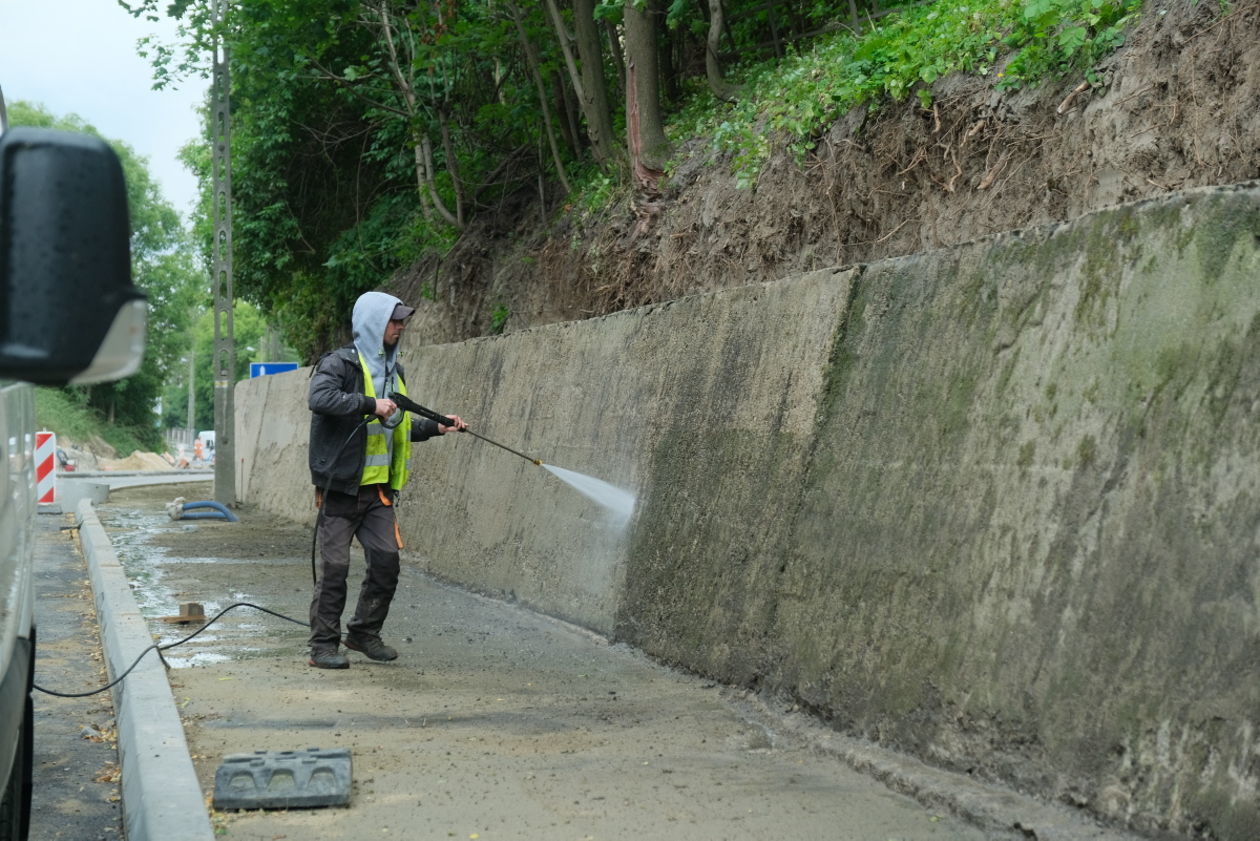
{"points": [[495, 722]]}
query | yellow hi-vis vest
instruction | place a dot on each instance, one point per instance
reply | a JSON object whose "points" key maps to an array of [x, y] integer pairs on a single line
{"points": [[379, 467]]}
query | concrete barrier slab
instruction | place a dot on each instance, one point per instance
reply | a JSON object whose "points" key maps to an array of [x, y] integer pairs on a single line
{"points": [[284, 779]]}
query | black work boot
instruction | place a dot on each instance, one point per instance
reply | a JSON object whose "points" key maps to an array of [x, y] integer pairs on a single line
{"points": [[372, 647], [328, 658]]}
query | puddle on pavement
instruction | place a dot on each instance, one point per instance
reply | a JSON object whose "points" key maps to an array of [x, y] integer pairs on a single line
{"points": [[132, 531]]}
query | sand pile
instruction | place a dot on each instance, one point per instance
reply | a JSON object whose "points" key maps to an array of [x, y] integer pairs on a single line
{"points": [[136, 461]]}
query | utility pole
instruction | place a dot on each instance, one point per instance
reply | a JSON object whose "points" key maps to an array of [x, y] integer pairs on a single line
{"points": [[192, 393], [271, 345], [224, 340]]}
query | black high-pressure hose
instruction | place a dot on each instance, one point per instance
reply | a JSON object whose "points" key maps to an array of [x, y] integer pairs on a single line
{"points": [[404, 403], [163, 647], [160, 648], [319, 514]]}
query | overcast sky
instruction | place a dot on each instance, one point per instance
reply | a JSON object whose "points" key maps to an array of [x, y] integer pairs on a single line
{"points": [[80, 57]]}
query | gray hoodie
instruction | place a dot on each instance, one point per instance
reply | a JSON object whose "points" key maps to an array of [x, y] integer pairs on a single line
{"points": [[369, 319]]}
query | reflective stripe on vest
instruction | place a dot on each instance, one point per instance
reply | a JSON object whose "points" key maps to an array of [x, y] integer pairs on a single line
{"points": [[378, 466]]}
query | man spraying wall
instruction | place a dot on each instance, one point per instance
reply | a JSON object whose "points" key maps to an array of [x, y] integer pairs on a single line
{"points": [[359, 451]]}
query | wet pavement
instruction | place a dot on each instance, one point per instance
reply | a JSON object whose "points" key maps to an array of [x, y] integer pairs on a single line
{"points": [[495, 722], [75, 794]]}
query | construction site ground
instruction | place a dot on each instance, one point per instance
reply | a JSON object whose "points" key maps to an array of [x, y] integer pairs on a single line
{"points": [[495, 722]]}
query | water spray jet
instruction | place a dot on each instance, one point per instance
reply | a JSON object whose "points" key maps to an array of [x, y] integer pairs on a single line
{"points": [[620, 502]]}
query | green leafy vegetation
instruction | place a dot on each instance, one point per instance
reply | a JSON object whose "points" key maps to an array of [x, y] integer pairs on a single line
{"points": [[369, 134], [799, 97], [1054, 36], [253, 341], [66, 412], [498, 319]]}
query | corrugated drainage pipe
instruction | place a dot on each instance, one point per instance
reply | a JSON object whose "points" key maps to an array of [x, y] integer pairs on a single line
{"points": [[219, 512]]}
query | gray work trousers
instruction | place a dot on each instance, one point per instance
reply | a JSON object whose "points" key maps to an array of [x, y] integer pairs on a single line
{"points": [[342, 518]]}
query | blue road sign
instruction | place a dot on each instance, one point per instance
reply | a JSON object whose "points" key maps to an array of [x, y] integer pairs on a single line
{"points": [[261, 369]]}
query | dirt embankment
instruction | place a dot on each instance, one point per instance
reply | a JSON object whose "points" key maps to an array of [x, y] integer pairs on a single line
{"points": [[1176, 109]]}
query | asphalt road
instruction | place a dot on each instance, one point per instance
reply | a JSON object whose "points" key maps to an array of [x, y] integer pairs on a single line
{"points": [[76, 794]]}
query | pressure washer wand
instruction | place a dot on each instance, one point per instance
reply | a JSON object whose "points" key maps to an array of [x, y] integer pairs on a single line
{"points": [[536, 461], [410, 405]]}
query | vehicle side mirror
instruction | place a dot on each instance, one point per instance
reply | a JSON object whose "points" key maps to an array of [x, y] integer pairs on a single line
{"points": [[68, 310]]}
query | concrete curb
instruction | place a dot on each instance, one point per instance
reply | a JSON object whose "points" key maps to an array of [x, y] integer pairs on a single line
{"points": [[162, 799]]}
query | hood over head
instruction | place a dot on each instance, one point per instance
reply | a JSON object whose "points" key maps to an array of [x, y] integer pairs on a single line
{"points": [[372, 312]]}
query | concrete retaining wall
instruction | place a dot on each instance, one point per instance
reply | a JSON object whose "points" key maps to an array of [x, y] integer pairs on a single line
{"points": [[996, 506]]}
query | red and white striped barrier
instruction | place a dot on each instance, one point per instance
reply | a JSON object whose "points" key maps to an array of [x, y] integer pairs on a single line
{"points": [[46, 466]]}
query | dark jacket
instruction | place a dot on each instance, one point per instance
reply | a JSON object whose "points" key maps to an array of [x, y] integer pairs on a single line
{"points": [[338, 405]]}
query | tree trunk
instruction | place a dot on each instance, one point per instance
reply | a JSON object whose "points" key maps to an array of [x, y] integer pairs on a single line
{"points": [[645, 133], [588, 82], [531, 59], [712, 67], [618, 60], [594, 87], [452, 168], [670, 56], [429, 196], [426, 206], [571, 125], [773, 17], [422, 146]]}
